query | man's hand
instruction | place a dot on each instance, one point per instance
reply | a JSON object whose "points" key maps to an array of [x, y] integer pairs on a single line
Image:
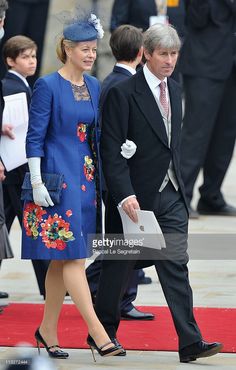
{"points": [[2, 175], [130, 206], [8, 131]]}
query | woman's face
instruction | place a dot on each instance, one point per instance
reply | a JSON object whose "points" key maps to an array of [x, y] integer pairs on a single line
{"points": [[83, 55]]}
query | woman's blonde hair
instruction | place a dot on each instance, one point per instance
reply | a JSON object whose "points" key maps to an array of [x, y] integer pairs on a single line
{"points": [[60, 50]]}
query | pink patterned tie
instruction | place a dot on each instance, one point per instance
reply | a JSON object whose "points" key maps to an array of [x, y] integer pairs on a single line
{"points": [[163, 99]]}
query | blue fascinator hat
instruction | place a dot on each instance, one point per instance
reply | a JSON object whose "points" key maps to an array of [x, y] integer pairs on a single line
{"points": [[84, 30]]}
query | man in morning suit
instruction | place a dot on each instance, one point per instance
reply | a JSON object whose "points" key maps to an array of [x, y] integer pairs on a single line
{"points": [[126, 45], [147, 110], [208, 65], [138, 13]]}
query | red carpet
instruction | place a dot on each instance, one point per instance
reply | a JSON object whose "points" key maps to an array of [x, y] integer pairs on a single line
{"points": [[19, 321]]}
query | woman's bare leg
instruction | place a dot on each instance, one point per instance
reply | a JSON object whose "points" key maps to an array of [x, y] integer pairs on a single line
{"points": [[55, 294], [76, 284]]}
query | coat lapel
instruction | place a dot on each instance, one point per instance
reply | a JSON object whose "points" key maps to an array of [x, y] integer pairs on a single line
{"points": [[176, 112], [149, 107]]}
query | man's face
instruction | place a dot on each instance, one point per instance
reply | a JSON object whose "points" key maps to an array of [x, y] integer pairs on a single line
{"points": [[162, 62]]}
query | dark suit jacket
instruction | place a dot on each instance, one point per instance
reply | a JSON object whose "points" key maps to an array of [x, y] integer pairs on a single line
{"points": [[130, 112], [117, 75], [12, 84], [138, 12], [209, 47]]}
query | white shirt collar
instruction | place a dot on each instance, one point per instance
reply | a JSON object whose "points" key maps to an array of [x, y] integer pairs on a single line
{"points": [[151, 79], [128, 68], [20, 76]]}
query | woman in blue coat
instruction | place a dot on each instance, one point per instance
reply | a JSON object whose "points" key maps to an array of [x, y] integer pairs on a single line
{"points": [[62, 139]]}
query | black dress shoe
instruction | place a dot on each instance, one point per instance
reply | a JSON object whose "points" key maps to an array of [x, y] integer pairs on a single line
{"points": [[4, 295], [145, 280], [135, 314], [198, 350], [193, 215], [205, 208]]}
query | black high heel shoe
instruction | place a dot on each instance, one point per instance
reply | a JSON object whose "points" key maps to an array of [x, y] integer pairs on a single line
{"points": [[55, 354], [111, 351]]}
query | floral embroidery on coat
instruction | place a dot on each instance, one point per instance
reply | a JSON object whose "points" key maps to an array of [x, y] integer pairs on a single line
{"points": [[81, 132], [69, 213], [83, 187], [32, 218], [89, 168], [56, 232]]}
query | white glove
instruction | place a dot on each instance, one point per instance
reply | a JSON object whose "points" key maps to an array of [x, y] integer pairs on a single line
{"points": [[41, 196], [128, 149]]}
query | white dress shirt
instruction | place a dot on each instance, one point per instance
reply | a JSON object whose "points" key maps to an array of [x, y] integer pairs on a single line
{"points": [[128, 68], [154, 82]]}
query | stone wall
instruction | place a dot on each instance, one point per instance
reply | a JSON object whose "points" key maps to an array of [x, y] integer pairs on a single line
{"points": [[105, 60]]}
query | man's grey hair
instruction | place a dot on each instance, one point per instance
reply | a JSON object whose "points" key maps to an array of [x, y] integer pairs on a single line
{"points": [[3, 8], [161, 36]]}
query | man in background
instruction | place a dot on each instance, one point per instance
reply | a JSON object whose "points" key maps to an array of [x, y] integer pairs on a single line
{"points": [[208, 66]]}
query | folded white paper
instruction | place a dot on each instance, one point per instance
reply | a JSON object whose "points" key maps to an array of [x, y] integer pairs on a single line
{"points": [[146, 228], [15, 113]]}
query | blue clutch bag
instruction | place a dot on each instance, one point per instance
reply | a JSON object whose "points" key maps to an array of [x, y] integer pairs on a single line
{"points": [[53, 183]]}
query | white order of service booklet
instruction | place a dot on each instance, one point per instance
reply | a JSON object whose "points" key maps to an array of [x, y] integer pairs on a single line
{"points": [[147, 228], [16, 114]]}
